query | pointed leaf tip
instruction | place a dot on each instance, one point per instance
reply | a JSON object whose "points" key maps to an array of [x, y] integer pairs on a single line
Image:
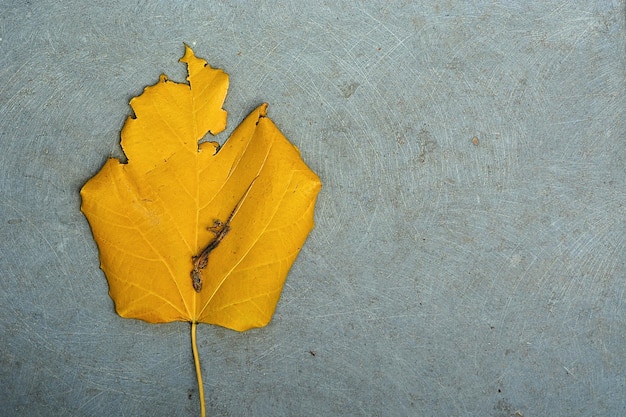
{"points": [[188, 55]]}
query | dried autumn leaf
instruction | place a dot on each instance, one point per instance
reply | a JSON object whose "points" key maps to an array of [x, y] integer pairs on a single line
{"points": [[232, 218]]}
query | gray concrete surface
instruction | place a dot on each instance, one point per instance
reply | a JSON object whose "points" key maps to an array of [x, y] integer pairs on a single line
{"points": [[445, 277]]}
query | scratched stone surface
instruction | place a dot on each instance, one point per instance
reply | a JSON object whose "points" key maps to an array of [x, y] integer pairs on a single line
{"points": [[469, 250]]}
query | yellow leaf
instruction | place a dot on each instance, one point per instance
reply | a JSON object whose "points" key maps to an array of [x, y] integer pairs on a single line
{"points": [[232, 218]]}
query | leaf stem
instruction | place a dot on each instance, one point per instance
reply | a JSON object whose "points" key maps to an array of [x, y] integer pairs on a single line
{"points": [[196, 360]]}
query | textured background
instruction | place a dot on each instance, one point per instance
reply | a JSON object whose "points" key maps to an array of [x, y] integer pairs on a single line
{"points": [[443, 277]]}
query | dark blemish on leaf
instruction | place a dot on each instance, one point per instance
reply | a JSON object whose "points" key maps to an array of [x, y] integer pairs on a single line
{"points": [[220, 230]]}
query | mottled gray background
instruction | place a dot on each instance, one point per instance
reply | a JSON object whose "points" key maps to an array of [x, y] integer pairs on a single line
{"points": [[443, 278]]}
